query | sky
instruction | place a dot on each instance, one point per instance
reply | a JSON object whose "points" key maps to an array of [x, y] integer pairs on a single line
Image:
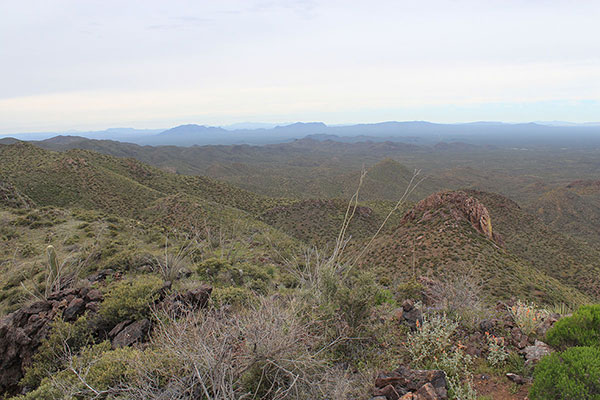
{"points": [[87, 64]]}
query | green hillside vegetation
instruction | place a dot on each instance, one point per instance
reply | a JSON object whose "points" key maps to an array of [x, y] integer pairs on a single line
{"points": [[292, 300], [564, 257], [574, 209], [440, 246]]}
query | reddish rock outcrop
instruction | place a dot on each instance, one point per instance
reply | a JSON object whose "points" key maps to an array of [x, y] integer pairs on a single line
{"points": [[22, 331], [458, 205], [406, 383]]}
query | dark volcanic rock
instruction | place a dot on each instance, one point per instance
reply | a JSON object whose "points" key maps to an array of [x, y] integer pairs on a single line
{"points": [[409, 314], [22, 331], [133, 333], [75, 308], [408, 382], [190, 300]]}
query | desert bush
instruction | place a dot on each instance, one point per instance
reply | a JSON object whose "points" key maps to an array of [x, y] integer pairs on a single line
{"points": [[234, 296], [497, 353], [580, 329], [572, 374], [432, 346], [97, 372], [64, 338], [222, 272], [411, 289], [130, 299], [265, 352], [527, 316], [458, 295]]}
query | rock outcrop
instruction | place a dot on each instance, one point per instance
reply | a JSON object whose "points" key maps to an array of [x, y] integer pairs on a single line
{"points": [[460, 206], [411, 384], [409, 314], [534, 353], [22, 331]]}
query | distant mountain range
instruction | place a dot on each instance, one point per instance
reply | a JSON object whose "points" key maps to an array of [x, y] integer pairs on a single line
{"points": [[417, 132]]}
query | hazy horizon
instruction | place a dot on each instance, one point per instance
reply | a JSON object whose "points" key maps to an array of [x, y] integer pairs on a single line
{"points": [[94, 65]]}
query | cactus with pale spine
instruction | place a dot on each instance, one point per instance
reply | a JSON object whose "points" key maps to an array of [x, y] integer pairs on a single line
{"points": [[53, 278]]}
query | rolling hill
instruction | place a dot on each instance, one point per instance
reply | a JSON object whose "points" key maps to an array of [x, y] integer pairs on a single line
{"points": [[518, 256]]}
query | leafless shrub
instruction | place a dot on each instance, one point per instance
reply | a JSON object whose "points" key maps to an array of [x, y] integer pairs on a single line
{"points": [[459, 294], [264, 353]]}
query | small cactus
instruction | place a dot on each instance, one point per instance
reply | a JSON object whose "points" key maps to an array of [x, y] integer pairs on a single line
{"points": [[53, 278]]}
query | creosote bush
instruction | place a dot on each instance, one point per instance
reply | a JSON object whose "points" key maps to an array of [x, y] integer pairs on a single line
{"points": [[96, 372], [571, 374], [130, 299], [580, 329]]}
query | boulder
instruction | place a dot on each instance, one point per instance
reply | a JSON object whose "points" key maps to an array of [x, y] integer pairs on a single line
{"points": [[133, 333], [75, 308], [22, 331], [404, 381], [534, 353], [546, 324], [518, 379], [427, 392], [409, 314], [190, 300]]}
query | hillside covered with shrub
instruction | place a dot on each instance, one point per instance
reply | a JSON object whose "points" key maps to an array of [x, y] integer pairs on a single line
{"points": [[120, 280]]}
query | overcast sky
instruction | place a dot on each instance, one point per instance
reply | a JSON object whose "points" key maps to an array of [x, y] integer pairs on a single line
{"points": [[84, 64]]}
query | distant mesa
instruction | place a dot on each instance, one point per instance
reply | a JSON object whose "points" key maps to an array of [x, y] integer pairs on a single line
{"points": [[460, 206]]}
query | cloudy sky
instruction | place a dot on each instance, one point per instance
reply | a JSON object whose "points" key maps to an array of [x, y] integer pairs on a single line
{"points": [[86, 64]]}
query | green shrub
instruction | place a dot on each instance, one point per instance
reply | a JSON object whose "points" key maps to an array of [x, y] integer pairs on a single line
{"points": [[410, 289], [235, 296], [432, 346], [572, 374], [580, 329], [220, 272], [51, 355], [101, 373], [211, 268], [384, 296], [130, 299]]}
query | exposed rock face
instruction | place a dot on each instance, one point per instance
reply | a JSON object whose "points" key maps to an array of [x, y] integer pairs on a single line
{"points": [[534, 353], [22, 331], [461, 207], [409, 314], [132, 333], [408, 384]]}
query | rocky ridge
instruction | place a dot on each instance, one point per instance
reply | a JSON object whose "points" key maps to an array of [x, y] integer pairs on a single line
{"points": [[461, 207]]}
